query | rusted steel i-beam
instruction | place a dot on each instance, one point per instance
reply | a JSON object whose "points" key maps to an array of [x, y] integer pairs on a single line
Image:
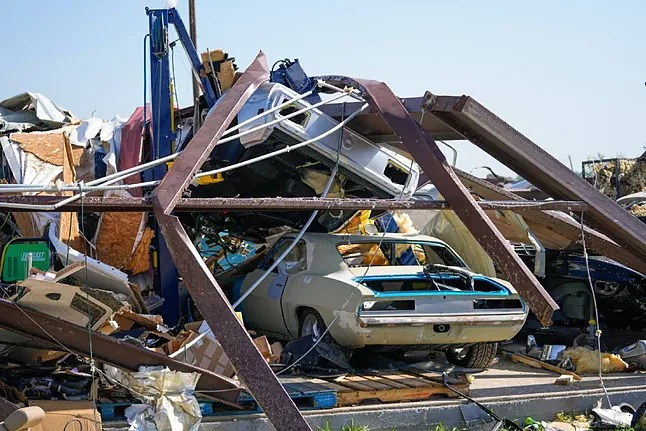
{"points": [[425, 152], [556, 222], [40, 326], [250, 365], [482, 127], [101, 204]]}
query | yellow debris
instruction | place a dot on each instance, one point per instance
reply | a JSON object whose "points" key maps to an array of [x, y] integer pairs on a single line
{"points": [[587, 361]]}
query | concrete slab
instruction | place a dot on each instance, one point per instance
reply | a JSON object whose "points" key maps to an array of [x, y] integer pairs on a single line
{"points": [[512, 390]]}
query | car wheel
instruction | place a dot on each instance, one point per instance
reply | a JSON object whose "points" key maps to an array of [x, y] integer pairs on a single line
{"points": [[480, 355], [608, 288], [311, 323]]}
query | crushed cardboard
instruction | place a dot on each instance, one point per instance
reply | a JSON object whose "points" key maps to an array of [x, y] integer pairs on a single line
{"points": [[587, 361]]}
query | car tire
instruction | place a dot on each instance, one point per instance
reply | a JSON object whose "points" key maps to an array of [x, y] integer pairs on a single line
{"points": [[310, 323], [480, 355]]}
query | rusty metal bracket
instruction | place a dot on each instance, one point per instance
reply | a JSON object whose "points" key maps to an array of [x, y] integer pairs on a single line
{"points": [[41, 326], [251, 367], [482, 127], [425, 152]]}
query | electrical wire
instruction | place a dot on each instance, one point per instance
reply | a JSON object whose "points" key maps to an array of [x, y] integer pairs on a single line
{"points": [[77, 420], [291, 246], [309, 221], [597, 331]]}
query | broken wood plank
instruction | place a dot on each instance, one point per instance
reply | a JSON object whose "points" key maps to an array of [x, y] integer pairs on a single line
{"points": [[523, 359]]}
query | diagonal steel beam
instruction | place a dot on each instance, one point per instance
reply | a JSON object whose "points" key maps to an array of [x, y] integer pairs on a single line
{"points": [[251, 367], [425, 152], [556, 222], [34, 324], [482, 127], [177, 180]]}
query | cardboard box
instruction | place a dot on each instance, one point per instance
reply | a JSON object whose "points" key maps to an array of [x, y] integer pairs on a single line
{"points": [[59, 413], [205, 352]]}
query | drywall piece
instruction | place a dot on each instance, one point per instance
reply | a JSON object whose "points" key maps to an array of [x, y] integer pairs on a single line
{"points": [[66, 302], [97, 275]]}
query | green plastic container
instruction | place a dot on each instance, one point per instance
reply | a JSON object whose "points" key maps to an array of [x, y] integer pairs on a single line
{"points": [[15, 258]]}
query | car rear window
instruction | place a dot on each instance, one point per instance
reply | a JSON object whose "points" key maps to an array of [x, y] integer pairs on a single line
{"points": [[389, 253]]}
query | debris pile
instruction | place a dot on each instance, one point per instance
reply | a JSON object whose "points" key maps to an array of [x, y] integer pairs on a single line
{"points": [[630, 174], [139, 308]]}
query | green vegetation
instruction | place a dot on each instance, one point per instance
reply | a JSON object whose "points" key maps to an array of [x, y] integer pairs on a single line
{"points": [[350, 426]]}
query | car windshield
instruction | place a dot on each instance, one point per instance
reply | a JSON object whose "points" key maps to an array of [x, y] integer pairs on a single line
{"points": [[393, 253]]}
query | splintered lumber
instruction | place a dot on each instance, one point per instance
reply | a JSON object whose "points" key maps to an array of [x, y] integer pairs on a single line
{"points": [[388, 387], [523, 359]]}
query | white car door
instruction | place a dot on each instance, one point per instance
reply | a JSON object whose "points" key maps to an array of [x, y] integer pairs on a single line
{"points": [[262, 309]]}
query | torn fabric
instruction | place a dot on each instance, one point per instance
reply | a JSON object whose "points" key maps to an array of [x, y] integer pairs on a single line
{"points": [[132, 144]]}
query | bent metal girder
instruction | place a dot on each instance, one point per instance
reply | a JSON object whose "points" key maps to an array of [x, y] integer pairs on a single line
{"points": [[556, 222], [483, 128], [250, 365], [423, 149], [110, 350]]}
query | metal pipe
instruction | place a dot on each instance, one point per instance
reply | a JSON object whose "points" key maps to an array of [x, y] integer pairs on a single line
{"points": [[283, 150], [267, 112], [112, 204], [279, 120], [352, 93]]}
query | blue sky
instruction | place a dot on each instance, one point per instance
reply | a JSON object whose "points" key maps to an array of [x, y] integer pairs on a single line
{"points": [[568, 74]]}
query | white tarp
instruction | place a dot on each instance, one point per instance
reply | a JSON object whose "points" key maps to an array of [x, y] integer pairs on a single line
{"points": [[46, 110]]}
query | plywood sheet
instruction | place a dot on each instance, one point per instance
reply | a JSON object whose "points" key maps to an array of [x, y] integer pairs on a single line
{"points": [[117, 236], [26, 224], [140, 260], [69, 231], [47, 146]]}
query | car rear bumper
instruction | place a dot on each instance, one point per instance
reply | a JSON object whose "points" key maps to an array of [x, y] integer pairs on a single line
{"points": [[465, 320], [430, 330]]}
